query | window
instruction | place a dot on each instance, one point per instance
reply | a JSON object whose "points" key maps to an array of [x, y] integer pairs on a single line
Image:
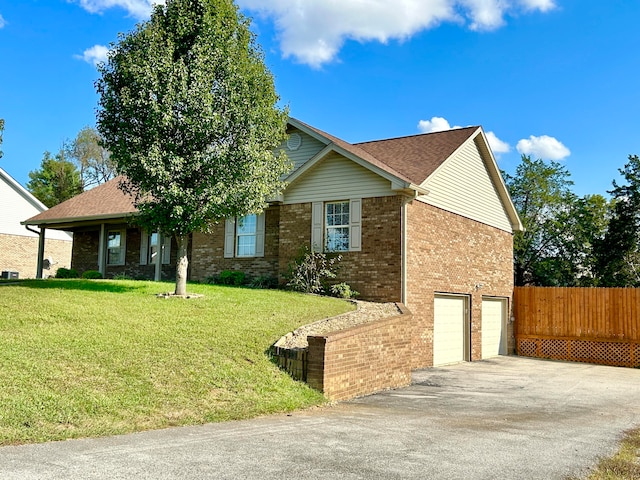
{"points": [[244, 236], [152, 245], [337, 227], [115, 247]]}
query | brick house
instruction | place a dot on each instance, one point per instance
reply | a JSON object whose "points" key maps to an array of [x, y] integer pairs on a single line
{"points": [[425, 220], [19, 245]]}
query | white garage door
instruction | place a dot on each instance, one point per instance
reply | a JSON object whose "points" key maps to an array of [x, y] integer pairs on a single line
{"points": [[449, 330], [494, 340]]}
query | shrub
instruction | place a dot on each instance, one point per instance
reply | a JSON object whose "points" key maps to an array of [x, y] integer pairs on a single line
{"points": [[67, 273], [311, 270], [230, 277], [343, 290], [122, 276], [91, 274], [264, 281]]}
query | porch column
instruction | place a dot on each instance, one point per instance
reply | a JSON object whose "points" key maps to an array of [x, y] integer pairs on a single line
{"points": [[41, 240], [102, 251], [158, 259]]}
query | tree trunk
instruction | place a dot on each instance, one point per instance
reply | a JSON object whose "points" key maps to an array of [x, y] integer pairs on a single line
{"points": [[182, 264]]}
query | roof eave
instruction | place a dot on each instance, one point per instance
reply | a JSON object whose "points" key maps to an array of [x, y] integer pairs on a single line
{"points": [[67, 221]]}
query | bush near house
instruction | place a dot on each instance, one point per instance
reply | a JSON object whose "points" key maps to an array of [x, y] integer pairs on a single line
{"points": [[81, 358]]}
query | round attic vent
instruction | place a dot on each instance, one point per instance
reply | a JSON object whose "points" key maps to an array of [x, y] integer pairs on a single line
{"points": [[294, 141]]}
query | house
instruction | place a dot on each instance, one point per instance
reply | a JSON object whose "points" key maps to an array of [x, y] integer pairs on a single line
{"points": [[425, 220], [19, 245]]}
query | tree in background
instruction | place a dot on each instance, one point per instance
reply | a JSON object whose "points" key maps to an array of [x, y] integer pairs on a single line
{"points": [[541, 194], [55, 181], [561, 229], [617, 254], [92, 159], [188, 111]]}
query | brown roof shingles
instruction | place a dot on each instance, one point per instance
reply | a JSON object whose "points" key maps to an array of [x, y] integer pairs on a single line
{"points": [[418, 156], [102, 201]]}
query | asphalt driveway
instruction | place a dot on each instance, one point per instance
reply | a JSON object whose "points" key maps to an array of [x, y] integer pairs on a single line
{"points": [[510, 417]]}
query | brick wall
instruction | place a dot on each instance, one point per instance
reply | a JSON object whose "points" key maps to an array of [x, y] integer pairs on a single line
{"points": [[375, 271], [362, 359], [448, 253], [20, 254], [85, 255], [208, 252]]}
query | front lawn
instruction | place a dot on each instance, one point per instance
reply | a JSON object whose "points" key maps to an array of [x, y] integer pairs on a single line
{"points": [[85, 358]]}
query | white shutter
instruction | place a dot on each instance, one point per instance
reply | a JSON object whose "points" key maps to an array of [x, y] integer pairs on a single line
{"points": [[355, 225], [166, 250], [317, 222], [260, 235], [144, 244], [229, 237]]}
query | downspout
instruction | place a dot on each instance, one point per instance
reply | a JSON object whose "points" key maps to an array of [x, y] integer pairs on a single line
{"points": [[403, 250]]}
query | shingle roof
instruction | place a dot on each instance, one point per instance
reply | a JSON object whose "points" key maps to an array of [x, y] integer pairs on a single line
{"points": [[416, 157], [103, 201], [411, 159]]}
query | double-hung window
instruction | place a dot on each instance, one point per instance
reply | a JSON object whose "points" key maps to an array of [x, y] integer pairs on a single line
{"points": [[336, 225], [244, 236], [153, 244], [115, 247]]}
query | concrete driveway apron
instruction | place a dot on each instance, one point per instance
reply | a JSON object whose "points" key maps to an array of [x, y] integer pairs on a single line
{"points": [[510, 417]]}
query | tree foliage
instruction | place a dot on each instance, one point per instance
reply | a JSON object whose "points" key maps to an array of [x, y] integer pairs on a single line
{"points": [[188, 112], [561, 229], [92, 159], [55, 181], [617, 254]]}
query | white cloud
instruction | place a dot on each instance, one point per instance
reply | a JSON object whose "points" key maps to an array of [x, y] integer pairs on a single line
{"points": [[436, 124], [313, 31], [95, 54], [140, 9], [545, 147], [439, 124], [497, 145], [3, 22]]}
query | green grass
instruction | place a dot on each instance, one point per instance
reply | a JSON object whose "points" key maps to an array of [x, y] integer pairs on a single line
{"points": [[624, 465], [85, 358]]}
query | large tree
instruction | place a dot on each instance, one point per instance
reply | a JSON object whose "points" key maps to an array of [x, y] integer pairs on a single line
{"points": [[92, 159], [55, 181], [618, 253], [189, 113]]}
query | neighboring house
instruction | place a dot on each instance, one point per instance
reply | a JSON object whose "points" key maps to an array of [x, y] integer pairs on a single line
{"points": [[19, 245], [425, 220]]}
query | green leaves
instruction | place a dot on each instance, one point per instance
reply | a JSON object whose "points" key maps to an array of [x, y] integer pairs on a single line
{"points": [[189, 112], [56, 180]]}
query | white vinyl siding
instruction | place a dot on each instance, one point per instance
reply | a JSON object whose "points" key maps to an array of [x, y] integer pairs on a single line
{"points": [[18, 205], [463, 185], [309, 147], [336, 177]]}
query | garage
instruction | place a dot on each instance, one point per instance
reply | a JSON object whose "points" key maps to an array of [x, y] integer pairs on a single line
{"points": [[450, 332], [494, 327]]}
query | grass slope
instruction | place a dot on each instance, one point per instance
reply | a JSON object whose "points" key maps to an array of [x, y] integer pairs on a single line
{"points": [[90, 358]]}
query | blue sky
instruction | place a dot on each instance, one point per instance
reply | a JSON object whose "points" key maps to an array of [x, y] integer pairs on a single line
{"points": [[556, 79]]}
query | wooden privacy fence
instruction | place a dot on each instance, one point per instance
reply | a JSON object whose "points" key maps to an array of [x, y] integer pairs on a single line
{"points": [[594, 325]]}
